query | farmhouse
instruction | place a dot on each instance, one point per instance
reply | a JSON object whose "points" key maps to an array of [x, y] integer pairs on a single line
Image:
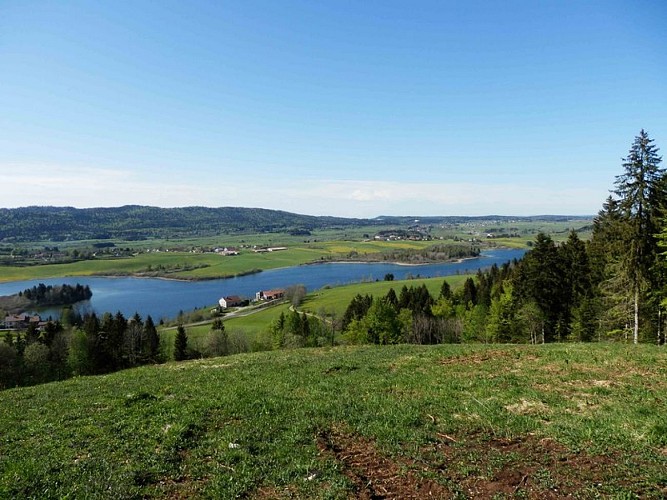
{"points": [[230, 301], [257, 249], [227, 251], [21, 321], [278, 293]]}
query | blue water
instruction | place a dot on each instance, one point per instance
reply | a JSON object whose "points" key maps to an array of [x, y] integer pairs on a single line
{"points": [[165, 298]]}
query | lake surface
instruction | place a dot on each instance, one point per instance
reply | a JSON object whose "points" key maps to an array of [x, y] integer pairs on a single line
{"points": [[165, 298]]}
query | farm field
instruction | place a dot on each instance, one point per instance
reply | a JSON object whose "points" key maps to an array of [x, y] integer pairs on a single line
{"points": [[320, 245], [188, 265], [585, 420], [337, 299]]}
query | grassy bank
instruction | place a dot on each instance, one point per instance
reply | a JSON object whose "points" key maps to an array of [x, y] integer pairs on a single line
{"points": [[187, 265], [467, 421]]}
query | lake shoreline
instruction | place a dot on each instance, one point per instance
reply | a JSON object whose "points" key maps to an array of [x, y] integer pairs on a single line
{"points": [[164, 297]]}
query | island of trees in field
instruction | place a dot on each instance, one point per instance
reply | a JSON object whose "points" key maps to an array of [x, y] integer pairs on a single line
{"points": [[44, 296]]}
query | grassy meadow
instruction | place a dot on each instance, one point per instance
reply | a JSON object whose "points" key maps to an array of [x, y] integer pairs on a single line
{"points": [[255, 326], [189, 265], [403, 421], [320, 245]]}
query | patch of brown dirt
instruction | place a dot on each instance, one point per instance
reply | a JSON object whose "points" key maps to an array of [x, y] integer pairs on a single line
{"points": [[374, 475], [475, 358], [527, 467], [270, 493]]}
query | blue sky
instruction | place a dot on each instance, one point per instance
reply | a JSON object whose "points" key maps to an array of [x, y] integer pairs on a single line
{"points": [[360, 108]]}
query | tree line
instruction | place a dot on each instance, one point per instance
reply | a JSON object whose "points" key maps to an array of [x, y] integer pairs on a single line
{"points": [[77, 345], [612, 287]]}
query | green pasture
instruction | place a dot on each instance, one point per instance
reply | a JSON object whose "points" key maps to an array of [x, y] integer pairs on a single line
{"points": [[325, 301], [253, 327], [460, 421], [188, 265], [332, 244], [336, 299]]}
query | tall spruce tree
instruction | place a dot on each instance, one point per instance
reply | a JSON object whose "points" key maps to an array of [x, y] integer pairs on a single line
{"points": [[540, 278], [181, 344], [641, 191]]}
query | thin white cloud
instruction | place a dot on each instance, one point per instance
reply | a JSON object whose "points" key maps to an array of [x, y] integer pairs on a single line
{"points": [[87, 187]]}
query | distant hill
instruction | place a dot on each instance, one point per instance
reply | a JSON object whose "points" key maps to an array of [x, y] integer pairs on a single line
{"points": [[135, 222], [462, 219]]}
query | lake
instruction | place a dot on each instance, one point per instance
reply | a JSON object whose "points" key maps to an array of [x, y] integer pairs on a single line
{"points": [[162, 298]]}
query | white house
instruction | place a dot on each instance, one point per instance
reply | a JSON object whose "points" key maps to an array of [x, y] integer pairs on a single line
{"points": [[230, 301], [278, 293]]}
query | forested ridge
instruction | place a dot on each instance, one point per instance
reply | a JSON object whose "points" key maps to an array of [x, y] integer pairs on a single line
{"points": [[133, 222]]}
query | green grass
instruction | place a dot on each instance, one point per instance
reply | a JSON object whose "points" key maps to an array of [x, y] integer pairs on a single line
{"points": [[326, 244], [586, 420], [254, 328], [337, 299], [203, 265], [327, 301]]}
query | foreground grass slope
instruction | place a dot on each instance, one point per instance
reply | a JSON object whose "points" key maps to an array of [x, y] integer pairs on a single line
{"points": [[467, 421]]}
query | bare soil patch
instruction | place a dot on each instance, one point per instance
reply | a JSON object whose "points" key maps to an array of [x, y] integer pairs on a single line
{"points": [[525, 467], [475, 358], [374, 475]]}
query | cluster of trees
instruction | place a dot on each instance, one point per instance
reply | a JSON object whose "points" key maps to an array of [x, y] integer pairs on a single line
{"points": [[415, 316], [611, 287], [86, 345], [434, 253], [90, 345], [49, 295], [296, 329], [43, 296]]}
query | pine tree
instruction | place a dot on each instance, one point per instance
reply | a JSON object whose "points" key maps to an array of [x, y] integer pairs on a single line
{"points": [[469, 293], [152, 341], [392, 299], [540, 279], [640, 192], [445, 290], [181, 344]]}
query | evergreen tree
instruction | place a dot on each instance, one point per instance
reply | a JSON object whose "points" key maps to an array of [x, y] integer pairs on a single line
{"points": [[445, 290], [151, 341], [357, 309], [501, 323], [469, 293], [540, 279], [181, 344], [641, 192], [392, 299], [218, 341]]}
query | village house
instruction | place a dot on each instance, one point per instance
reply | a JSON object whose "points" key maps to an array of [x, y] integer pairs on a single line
{"points": [[21, 321], [278, 293], [230, 301], [257, 249], [226, 251]]}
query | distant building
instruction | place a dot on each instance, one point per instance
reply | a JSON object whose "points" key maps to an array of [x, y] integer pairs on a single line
{"points": [[227, 251], [257, 249], [21, 321], [278, 293], [230, 301]]}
